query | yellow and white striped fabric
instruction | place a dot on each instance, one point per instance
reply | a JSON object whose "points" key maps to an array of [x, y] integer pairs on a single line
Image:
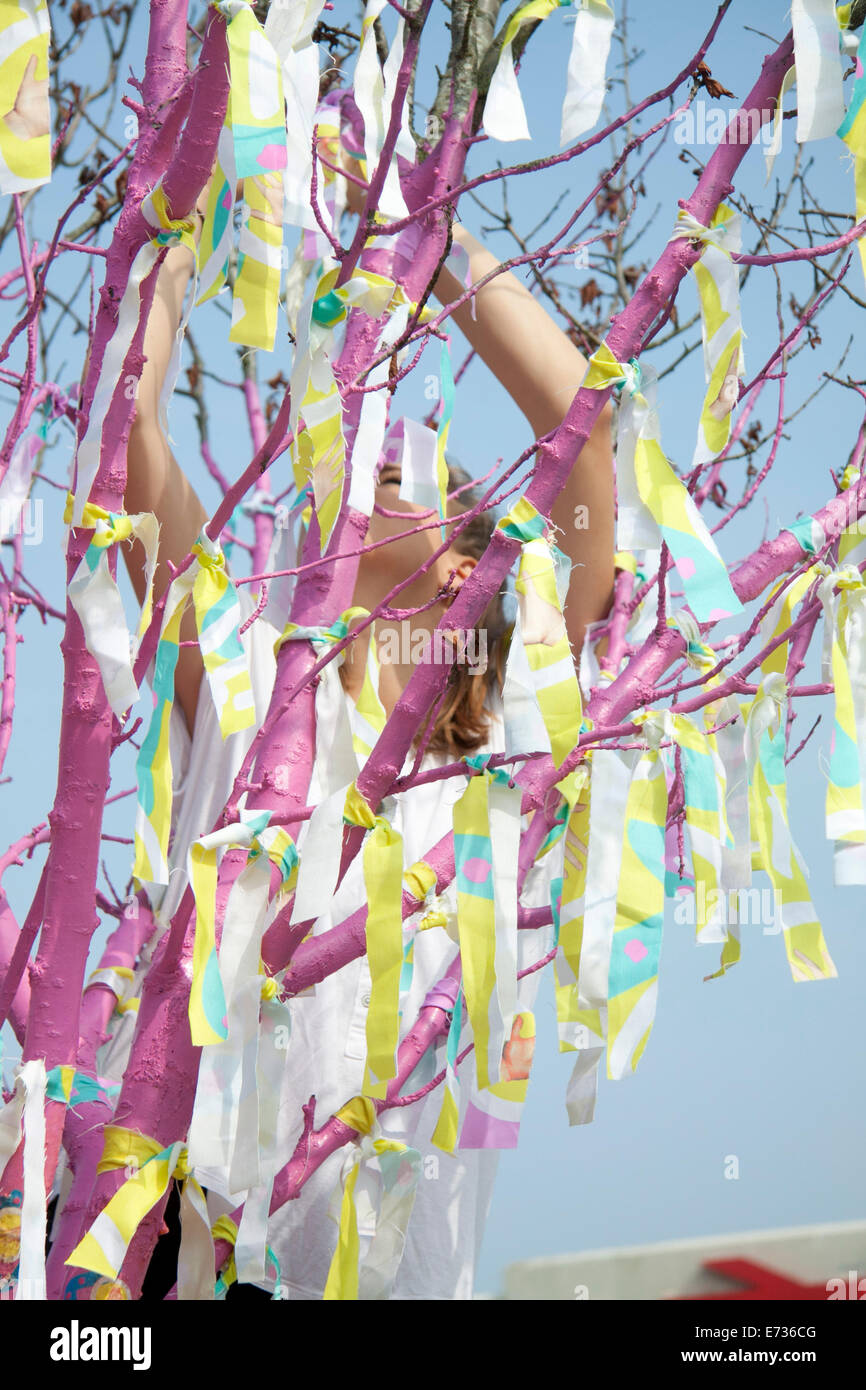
{"points": [[843, 599], [94, 595], [777, 854], [217, 614], [252, 150], [370, 1278], [718, 281], [151, 1167], [636, 942], [319, 447], [542, 574]]}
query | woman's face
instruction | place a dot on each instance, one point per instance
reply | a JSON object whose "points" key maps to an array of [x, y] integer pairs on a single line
{"points": [[381, 568]]}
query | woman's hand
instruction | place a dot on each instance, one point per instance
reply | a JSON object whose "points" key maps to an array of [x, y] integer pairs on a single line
{"points": [[30, 117]]}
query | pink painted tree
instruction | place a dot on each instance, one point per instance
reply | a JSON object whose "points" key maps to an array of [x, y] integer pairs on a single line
{"points": [[665, 764]]}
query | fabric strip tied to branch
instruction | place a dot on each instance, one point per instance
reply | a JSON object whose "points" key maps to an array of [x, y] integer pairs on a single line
{"points": [[653, 502]]}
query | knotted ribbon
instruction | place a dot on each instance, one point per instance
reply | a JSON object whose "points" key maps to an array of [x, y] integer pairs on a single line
{"points": [[652, 501], [319, 447], [217, 615], [371, 1278], [152, 1167], [96, 599], [540, 640], [718, 281], [207, 1002]]}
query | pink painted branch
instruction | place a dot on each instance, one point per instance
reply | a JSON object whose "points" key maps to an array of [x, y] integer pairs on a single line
{"points": [[788, 342], [19, 417], [122, 949], [804, 253], [800, 643], [36, 301], [312, 961], [19, 996], [83, 1130], [213, 467], [772, 560], [541, 256], [13, 972], [618, 624], [10, 645]]}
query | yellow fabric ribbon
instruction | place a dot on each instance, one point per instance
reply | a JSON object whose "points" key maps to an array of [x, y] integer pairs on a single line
{"points": [[94, 594], [357, 810], [103, 1249], [419, 879], [383, 872]]}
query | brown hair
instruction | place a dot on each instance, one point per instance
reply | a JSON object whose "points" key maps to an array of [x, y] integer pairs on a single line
{"points": [[462, 721]]}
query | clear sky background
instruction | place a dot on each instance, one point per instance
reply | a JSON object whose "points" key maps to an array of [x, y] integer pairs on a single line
{"points": [[747, 1066]]}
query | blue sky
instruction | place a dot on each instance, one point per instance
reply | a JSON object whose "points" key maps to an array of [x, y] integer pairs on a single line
{"points": [[749, 1066]]}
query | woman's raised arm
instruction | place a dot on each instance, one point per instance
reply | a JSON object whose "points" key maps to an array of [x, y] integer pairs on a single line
{"points": [[541, 370], [155, 482]]}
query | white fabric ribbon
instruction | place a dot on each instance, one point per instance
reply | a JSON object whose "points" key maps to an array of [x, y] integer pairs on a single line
{"points": [[736, 865], [418, 481], [374, 91], [820, 99], [26, 1111], [688, 226], [370, 435], [585, 90], [611, 778], [195, 1261], [289, 28], [95, 596], [829, 603], [382, 1231], [636, 527], [320, 850], [776, 142], [15, 487]]}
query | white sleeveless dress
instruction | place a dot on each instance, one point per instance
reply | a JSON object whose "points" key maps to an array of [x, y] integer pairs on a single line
{"points": [[326, 1052]]}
